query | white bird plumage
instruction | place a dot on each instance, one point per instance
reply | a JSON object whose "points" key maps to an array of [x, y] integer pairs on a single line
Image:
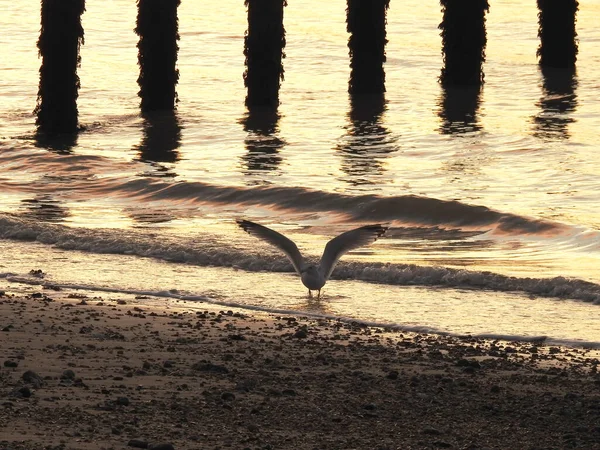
{"points": [[315, 277]]}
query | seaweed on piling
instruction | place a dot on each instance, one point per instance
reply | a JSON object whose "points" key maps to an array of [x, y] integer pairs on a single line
{"points": [[366, 23], [558, 37], [463, 41], [157, 26], [61, 37], [264, 42]]}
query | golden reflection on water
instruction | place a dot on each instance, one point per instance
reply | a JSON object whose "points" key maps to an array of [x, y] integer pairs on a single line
{"points": [[525, 143]]}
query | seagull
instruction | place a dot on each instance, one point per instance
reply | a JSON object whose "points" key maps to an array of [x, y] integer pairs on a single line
{"points": [[315, 277]]}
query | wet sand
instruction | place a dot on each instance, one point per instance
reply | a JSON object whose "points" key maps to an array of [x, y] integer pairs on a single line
{"points": [[114, 373]]}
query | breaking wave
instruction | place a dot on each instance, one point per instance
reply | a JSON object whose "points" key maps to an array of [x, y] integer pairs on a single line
{"points": [[212, 252]]}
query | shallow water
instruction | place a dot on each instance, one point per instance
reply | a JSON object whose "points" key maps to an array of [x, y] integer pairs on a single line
{"points": [[494, 225]]}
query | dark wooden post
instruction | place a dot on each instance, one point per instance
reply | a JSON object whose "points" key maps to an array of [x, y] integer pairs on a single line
{"points": [[157, 28], [61, 36], [366, 20], [463, 41], [263, 48], [558, 38]]}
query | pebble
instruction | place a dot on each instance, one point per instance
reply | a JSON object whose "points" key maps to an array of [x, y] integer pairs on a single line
{"points": [[165, 446], [209, 367], [9, 363], [431, 431], [137, 443], [33, 378], [301, 333], [67, 375], [25, 392], [227, 396]]}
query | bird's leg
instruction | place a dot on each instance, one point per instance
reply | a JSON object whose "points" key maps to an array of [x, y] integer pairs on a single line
{"points": [[309, 293], [319, 294]]}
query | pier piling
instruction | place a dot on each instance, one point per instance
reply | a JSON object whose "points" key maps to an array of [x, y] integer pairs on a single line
{"points": [[366, 21], [61, 37], [558, 38], [463, 41], [157, 27], [263, 48]]}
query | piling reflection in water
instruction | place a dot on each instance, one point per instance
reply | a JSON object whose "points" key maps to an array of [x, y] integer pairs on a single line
{"points": [[62, 144], [44, 208], [262, 143], [162, 137], [367, 142], [558, 101], [458, 109]]}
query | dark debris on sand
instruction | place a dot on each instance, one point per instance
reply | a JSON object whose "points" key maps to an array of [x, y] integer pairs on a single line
{"points": [[179, 379]]}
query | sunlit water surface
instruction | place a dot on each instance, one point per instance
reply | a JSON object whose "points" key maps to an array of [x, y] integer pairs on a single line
{"points": [[494, 221]]}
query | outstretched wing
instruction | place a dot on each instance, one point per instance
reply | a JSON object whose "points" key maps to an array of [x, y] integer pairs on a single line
{"points": [[350, 240], [276, 239]]}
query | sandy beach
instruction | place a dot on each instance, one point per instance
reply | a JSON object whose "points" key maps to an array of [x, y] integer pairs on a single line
{"points": [[111, 372]]}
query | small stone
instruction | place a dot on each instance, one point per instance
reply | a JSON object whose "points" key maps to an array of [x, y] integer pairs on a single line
{"points": [[67, 375], [9, 363], [392, 375], [227, 396], [123, 401], [468, 363], [495, 389], [289, 392], [137, 443], [301, 333], [164, 446], [33, 378], [25, 392], [209, 367]]}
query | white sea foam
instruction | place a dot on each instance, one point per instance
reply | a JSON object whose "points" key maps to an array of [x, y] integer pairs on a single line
{"points": [[208, 253]]}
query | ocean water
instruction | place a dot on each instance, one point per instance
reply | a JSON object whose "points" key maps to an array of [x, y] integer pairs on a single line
{"points": [[494, 219]]}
